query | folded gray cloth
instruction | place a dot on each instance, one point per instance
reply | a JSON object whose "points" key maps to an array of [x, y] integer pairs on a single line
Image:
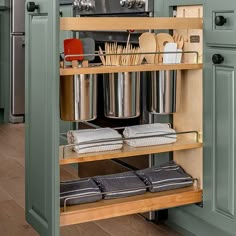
{"points": [[165, 177], [120, 185], [79, 191]]}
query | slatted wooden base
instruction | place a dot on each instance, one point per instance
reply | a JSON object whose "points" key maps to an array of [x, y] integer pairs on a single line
{"points": [[126, 206]]}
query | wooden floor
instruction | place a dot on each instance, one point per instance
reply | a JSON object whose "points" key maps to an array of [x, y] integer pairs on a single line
{"points": [[12, 204]]}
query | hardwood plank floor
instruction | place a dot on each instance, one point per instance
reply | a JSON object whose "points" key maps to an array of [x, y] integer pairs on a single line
{"points": [[12, 216]]}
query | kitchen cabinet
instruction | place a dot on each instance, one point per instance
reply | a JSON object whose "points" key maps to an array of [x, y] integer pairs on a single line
{"points": [[220, 20], [42, 127], [42, 118], [218, 212], [217, 217]]}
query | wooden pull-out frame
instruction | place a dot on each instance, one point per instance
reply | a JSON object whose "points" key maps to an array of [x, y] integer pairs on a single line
{"points": [[189, 117]]}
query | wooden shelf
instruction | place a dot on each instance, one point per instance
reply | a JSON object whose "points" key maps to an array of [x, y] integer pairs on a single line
{"points": [[124, 23], [130, 205], [183, 143], [114, 69]]}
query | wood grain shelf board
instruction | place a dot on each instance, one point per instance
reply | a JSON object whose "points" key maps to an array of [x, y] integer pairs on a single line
{"points": [[124, 23], [130, 205], [114, 69], [182, 143]]}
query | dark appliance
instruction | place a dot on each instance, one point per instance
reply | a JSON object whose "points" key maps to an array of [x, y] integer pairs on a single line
{"points": [[117, 8], [17, 61]]}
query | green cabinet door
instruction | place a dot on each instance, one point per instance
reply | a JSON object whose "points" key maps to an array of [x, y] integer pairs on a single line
{"points": [[42, 117], [220, 22], [219, 138], [218, 215]]}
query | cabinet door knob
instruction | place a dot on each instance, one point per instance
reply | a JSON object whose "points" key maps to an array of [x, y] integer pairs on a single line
{"points": [[31, 6], [220, 20], [217, 59]]}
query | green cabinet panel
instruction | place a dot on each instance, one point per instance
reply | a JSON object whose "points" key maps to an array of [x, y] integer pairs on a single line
{"points": [[219, 192], [223, 140], [4, 4], [217, 217], [42, 118], [219, 151], [224, 34]]}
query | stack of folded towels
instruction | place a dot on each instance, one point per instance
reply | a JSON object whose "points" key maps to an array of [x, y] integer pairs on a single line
{"points": [[164, 134], [97, 140], [79, 191], [165, 177], [90, 140], [120, 185]]}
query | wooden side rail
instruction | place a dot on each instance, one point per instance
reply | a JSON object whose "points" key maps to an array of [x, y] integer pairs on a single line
{"points": [[124, 23]]}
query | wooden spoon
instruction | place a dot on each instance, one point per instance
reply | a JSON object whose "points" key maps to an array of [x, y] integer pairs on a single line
{"points": [[147, 43]]}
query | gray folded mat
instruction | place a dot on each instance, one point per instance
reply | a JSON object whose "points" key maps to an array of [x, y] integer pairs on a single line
{"points": [[79, 191], [120, 185], [165, 177]]}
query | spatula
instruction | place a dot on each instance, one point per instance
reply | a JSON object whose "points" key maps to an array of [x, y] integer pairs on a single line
{"points": [[147, 43], [170, 58], [89, 48], [162, 40], [73, 47]]}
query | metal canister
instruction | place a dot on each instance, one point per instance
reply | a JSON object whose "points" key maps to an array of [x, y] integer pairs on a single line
{"points": [[122, 95], [78, 97], [162, 92]]}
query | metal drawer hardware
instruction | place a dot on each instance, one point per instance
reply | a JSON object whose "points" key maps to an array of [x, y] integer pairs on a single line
{"points": [[217, 59], [220, 20], [96, 54], [124, 139], [31, 6]]}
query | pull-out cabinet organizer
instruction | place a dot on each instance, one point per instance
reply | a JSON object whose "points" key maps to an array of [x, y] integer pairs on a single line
{"points": [[187, 151]]}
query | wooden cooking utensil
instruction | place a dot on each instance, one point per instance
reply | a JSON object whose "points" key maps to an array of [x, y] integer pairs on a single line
{"points": [[157, 50], [179, 39], [73, 47], [162, 39], [147, 43]]}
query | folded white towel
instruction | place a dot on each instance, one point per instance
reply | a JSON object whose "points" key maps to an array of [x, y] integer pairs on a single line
{"points": [[149, 130], [92, 135]]}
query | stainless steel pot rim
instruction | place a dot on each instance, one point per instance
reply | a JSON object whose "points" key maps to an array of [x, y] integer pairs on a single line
{"points": [[122, 117]]}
